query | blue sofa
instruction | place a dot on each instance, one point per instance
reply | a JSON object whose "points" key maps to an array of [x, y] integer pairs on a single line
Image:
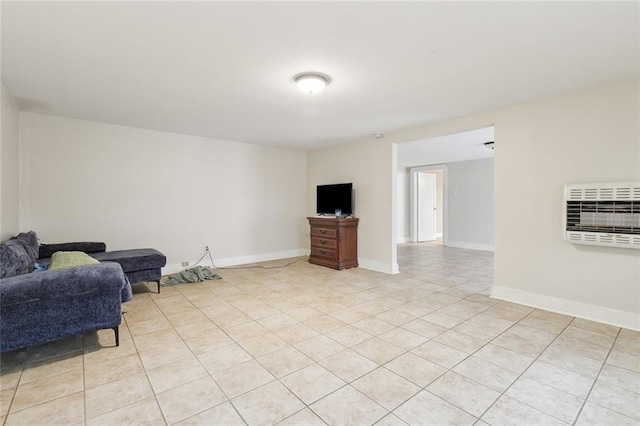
{"points": [[139, 265], [41, 306]]}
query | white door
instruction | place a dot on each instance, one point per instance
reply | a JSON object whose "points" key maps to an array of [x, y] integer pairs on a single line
{"points": [[426, 207]]}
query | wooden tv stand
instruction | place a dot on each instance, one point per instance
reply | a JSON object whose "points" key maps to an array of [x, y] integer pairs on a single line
{"points": [[334, 242]]}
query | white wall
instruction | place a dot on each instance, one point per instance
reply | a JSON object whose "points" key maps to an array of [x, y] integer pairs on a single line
{"points": [[133, 188], [439, 201], [586, 136], [470, 204], [9, 166]]}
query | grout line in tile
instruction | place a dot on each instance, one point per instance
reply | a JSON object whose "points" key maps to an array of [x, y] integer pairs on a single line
{"points": [[392, 288], [22, 366], [524, 371], [228, 399], [209, 408], [595, 380], [342, 387], [146, 373], [302, 409]]}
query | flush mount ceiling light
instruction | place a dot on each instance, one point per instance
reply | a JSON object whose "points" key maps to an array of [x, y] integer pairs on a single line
{"points": [[311, 82]]}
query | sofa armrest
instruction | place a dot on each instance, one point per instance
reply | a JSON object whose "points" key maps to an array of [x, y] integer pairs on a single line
{"points": [[44, 306], [47, 250], [62, 283]]}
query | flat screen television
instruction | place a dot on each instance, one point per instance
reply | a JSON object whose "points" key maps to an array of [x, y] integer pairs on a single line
{"points": [[330, 198]]}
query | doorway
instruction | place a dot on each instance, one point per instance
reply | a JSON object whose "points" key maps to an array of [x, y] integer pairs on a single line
{"points": [[428, 198], [426, 193], [464, 214]]}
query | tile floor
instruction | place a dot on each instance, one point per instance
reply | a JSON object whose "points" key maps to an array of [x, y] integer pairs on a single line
{"points": [[307, 345]]}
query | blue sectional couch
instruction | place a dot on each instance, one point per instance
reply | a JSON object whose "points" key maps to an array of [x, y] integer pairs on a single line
{"points": [[139, 265], [41, 306]]}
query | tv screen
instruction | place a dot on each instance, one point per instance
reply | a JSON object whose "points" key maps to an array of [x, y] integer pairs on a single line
{"points": [[330, 198]]}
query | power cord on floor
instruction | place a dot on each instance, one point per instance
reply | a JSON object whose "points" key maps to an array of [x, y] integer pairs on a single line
{"points": [[208, 252]]}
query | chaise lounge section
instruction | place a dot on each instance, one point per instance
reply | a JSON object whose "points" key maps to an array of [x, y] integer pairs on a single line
{"points": [[43, 306], [40, 306], [139, 265]]}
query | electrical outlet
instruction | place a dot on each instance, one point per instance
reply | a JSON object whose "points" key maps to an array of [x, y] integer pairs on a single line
{"points": [[185, 263]]}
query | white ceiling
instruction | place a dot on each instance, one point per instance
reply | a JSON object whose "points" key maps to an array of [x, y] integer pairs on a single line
{"points": [[224, 69], [462, 146]]}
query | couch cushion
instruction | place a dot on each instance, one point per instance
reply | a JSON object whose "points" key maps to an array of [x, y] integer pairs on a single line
{"points": [[134, 259], [30, 242], [70, 259], [47, 250], [14, 259]]}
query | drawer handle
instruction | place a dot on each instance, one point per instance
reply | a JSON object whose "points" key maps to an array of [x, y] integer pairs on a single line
{"points": [[323, 251], [323, 241], [323, 231]]}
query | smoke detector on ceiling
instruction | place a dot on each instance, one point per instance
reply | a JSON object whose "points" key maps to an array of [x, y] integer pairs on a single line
{"points": [[377, 135]]}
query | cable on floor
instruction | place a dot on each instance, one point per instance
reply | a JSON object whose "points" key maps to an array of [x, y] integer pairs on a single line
{"points": [[208, 252]]}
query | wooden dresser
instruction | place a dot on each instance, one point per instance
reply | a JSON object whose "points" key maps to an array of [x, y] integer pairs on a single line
{"points": [[334, 242]]}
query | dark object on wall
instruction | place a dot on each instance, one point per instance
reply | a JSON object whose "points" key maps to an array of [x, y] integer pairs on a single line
{"points": [[330, 198]]}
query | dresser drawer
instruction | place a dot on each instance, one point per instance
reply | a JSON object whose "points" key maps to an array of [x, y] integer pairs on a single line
{"points": [[321, 252], [317, 231], [334, 242], [329, 243]]}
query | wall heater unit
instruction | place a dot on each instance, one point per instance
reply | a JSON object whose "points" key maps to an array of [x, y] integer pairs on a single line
{"points": [[603, 214]]}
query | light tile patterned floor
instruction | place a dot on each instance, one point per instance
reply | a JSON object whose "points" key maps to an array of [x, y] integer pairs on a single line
{"points": [[307, 345]]}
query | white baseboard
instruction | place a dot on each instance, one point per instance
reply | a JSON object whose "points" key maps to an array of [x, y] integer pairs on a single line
{"points": [[386, 268], [568, 307], [172, 268], [472, 246], [243, 260], [403, 240], [373, 265], [438, 234]]}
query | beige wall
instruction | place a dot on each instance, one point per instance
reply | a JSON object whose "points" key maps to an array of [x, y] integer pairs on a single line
{"points": [[588, 136], [9, 166], [403, 226], [369, 165], [592, 136], [139, 188], [132, 187]]}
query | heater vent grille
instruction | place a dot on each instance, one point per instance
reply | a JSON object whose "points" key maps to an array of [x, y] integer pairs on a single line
{"points": [[603, 214], [626, 191]]}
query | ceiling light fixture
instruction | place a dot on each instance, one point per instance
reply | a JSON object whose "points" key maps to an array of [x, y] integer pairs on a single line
{"points": [[311, 82]]}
